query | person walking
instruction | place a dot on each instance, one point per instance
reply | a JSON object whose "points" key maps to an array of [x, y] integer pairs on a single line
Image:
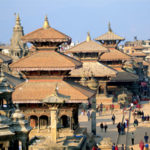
{"points": [[119, 127], [132, 138], [101, 108], [141, 145], [113, 118], [116, 147], [101, 126], [146, 137], [113, 146], [122, 147], [105, 127], [88, 115]]}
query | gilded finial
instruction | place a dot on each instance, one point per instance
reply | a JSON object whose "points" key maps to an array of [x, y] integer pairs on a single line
{"points": [[109, 27], [88, 37], [18, 20], [46, 23]]}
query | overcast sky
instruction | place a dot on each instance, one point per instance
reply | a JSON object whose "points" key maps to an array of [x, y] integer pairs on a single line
{"points": [[75, 18]]}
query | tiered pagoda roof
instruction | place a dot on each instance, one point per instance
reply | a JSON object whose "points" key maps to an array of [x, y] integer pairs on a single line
{"points": [[46, 33], [46, 60], [34, 91], [93, 68], [109, 36], [87, 46], [114, 55]]}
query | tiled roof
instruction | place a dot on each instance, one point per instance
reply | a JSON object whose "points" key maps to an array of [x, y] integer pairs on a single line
{"points": [[46, 60], [44, 35], [14, 81], [138, 54], [114, 55], [5, 58], [90, 46], [109, 36], [124, 76], [93, 68], [36, 90]]}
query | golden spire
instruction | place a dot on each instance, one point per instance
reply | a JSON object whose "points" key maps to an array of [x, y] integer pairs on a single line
{"points": [[46, 23], [18, 20], [88, 37], [109, 27]]}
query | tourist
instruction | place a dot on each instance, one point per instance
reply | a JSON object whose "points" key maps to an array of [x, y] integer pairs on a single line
{"points": [[113, 146], [101, 108], [132, 138], [88, 115], [94, 147], [116, 147], [122, 128], [131, 148], [146, 137], [113, 118], [122, 147], [135, 123], [146, 146], [119, 127], [141, 145], [105, 127], [101, 126]]}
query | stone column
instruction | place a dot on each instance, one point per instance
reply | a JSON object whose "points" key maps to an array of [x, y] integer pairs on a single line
{"points": [[93, 116], [54, 124]]}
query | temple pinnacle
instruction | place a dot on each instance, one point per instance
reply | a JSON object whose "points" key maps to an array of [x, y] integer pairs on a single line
{"points": [[88, 37], [18, 20], [109, 27], [46, 23]]}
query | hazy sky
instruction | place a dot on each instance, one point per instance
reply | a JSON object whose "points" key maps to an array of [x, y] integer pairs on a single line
{"points": [[75, 18]]}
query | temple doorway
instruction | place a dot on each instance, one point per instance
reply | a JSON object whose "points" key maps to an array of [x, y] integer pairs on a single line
{"points": [[33, 121], [43, 122], [65, 121]]}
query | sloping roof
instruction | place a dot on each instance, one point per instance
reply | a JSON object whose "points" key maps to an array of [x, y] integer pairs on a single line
{"points": [[5, 58], [34, 91], [46, 60], [44, 35], [138, 54], [114, 55], [95, 68], [90, 46], [124, 76], [109, 36], [14, 81]]}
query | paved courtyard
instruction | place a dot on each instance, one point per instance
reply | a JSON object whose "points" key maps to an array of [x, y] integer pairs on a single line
{"points": [[112, 129]]}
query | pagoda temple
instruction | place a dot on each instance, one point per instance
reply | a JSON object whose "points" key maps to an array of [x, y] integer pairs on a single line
{"points": [[110, 39], [93, 74], [47, 98], [116, 60]]}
